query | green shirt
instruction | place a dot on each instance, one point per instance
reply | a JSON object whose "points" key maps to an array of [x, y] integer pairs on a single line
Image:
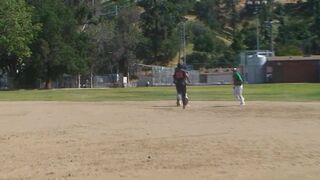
{"points": [[237, 78]]}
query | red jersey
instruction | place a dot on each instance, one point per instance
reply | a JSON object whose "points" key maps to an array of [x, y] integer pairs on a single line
{"points": [[179, 74]]}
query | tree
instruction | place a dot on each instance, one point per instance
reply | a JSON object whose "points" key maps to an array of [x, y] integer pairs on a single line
{"points": [[231, 8], [17, 29], [17, 32], [293, 33], [158, 23], [238, 42], [204, 43], [60, 48], [209, 50], [289, 50], [127, 38], [103, 47], [314, 46], [211, 13], [119, 38]]}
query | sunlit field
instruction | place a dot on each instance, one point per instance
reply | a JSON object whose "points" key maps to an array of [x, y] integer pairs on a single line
{"points": [[140, 133], [252, 92]]}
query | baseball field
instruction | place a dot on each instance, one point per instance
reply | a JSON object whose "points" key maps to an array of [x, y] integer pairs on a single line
{"points": [[139, 133]]}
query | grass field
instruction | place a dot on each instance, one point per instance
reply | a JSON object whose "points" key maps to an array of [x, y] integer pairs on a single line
{"points": [[252, 92]]}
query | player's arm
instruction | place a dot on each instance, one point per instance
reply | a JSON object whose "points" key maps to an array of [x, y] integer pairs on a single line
{"points": [[187, 77], [174, 78], [233, 81]]}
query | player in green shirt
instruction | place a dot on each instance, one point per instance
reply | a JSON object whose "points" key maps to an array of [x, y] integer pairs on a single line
{"points": [[238, 86]]}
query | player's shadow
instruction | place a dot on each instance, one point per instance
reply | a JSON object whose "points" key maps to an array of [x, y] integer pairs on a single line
{"points": [[223, 106], [165, 106]]}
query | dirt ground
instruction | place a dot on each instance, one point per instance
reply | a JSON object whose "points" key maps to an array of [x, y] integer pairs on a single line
{"points": [[156, 140]]}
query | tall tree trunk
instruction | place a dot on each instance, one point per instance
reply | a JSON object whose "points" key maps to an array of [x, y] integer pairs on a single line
{"points": [[47, 78], [47, 84], [12, 71]]}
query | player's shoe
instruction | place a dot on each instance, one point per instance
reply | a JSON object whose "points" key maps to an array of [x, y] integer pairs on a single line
{"points": [[178, 103], [185, 103]]}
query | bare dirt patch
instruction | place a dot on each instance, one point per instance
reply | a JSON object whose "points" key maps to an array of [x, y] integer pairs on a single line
{"points": [[156, 140]]}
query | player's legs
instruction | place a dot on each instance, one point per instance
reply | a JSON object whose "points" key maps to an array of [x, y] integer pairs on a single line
{"points": [[241, 98], [184, 96], [179, 99], [179, 94], [238, 94]]}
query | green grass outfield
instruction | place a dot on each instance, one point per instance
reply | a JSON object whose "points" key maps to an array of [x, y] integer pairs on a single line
{"points": [[252, 92]]}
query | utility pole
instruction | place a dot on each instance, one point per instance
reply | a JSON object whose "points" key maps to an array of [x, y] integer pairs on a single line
{"points": [[257, 5], [184, 44], [256, 13], [257, 27], [270, 26], [116, 10], [181, 46], [182, 51]]}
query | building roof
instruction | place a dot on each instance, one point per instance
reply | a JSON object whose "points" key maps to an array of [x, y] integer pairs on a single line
{"points": [[294, 58]]}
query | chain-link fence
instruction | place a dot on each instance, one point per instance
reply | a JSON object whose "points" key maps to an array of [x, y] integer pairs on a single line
{"points": [[161, 76], [144, 75], [3, 82], [108, 80], [66, 81]]}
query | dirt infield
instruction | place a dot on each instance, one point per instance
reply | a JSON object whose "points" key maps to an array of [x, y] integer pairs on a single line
{"points": [[156, 140]]}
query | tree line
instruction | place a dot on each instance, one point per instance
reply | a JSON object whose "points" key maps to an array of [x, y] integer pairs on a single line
{"points": [[41, 40]]}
